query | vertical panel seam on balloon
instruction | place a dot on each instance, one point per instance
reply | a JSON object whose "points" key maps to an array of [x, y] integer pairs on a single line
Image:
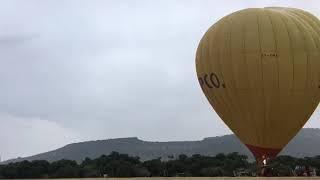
{"points": [[276, 47], [267, 102], [216, 100], [203, 68], [206, 92], [233, 78], [222, 77], [314, 33], [291, 52], [314, 25], [291, 56], [261, 64], [218, 95], [304, 39], [200, 64], [246, 69], [304, 45], [231, 69]]}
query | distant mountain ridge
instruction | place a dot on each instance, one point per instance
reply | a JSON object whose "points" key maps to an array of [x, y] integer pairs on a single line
{"points": [[306, 143]]}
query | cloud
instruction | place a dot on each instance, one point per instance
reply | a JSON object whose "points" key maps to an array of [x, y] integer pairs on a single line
{"points": [[28, 136], [12, 39]]}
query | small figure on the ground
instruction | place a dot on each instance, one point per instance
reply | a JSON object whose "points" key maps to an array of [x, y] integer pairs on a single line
{"points": [[265, 170]]}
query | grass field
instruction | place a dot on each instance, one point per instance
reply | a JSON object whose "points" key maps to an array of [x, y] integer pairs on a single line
{"points": [[201, 178]]}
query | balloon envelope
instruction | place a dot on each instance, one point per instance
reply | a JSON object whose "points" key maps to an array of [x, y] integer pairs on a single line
{"points": [[260, 70]]}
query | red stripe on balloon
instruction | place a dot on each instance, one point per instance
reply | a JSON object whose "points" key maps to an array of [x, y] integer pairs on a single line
{"points": [[259, 152]]}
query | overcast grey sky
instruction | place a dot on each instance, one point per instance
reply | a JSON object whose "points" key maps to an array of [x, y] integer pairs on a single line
{"points": [[84, 70]]}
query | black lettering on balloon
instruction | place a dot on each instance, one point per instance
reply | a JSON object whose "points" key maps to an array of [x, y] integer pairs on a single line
{"points": [[214, 80], [205, 80], [201, 82]]}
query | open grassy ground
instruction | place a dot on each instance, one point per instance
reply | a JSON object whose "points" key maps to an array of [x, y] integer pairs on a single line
{"points": [[226, 178], [218, 178], [200, 178]]}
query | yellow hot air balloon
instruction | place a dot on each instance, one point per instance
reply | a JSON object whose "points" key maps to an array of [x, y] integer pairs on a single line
{"points": [[260, 70]]}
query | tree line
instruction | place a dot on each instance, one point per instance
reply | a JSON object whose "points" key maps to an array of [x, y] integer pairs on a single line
{"points": [[123, 165]]}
